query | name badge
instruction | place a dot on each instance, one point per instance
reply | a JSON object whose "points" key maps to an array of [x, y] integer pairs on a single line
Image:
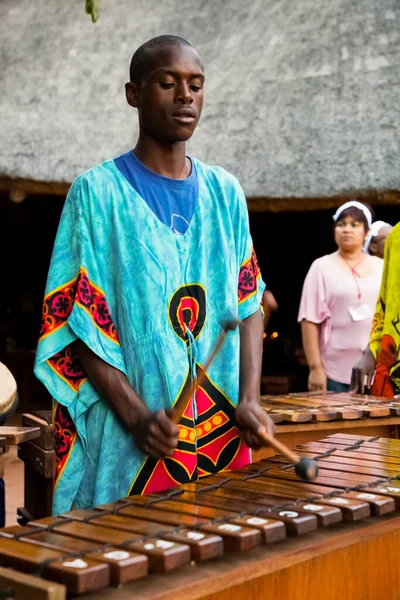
{"points": [[360, 312]]}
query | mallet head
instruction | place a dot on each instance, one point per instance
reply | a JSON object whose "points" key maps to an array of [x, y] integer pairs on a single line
{"points": [[306, 469]]}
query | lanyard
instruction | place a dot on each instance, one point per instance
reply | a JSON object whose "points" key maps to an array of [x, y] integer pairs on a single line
{"points": [[356, 276]]}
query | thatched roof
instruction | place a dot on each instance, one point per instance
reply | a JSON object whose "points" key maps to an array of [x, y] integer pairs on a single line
{"points": [[302, 97]]}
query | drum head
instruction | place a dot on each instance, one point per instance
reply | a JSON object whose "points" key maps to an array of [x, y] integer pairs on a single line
{"points": [[8, 391]]}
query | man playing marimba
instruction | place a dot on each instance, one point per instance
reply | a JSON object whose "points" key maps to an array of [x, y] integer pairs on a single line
{"points": [[153, 255]]}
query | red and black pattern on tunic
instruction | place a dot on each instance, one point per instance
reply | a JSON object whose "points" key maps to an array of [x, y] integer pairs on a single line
{"points": [[68, 367], [57, 308], [160, 474], [248, 276], [58, 305], [187, 310], [64, 438], [92, 299], [212, 442], [220, 446]]}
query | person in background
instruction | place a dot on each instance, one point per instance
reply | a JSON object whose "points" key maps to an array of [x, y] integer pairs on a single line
{"points": [[382, 355], [376, 238], [269, 305], [338, 300]]}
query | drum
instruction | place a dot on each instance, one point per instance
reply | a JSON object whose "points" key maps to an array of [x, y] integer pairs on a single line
{"points": [[8, 393]]}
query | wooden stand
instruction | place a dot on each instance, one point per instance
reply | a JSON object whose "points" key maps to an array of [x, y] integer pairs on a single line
{"points": [[11, 436], [39, 464]]}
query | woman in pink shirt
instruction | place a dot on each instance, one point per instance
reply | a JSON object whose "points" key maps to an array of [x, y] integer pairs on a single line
{"points": [[338, 302]]}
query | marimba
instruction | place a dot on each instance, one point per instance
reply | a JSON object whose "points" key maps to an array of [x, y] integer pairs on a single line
{"points": [[307, 407], [254, 533], [304, 417], [299, 418]]}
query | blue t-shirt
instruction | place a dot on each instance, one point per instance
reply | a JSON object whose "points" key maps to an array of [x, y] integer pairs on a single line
{"points": [[172, 200]]}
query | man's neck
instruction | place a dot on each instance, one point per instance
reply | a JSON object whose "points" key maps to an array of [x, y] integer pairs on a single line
{"points": [[168, 160]]}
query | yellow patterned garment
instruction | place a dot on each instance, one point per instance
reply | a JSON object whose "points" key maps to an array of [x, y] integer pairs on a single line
{"points": [[385, 334]]}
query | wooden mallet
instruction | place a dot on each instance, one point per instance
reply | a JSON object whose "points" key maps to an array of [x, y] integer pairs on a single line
{"points": [[305, 468], [182, 403]]}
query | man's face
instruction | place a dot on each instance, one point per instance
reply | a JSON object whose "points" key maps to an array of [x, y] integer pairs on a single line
{"points": [[170, 97], [377, 245]]}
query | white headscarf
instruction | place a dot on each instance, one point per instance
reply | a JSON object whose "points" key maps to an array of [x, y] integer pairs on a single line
{"points": [[373, 232], [362, 207]]}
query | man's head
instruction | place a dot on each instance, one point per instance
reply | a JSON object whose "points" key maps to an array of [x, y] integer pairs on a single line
{"points": [[379, 234], [166, 86]]}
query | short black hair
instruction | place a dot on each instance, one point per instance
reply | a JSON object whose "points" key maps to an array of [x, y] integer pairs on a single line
{"points": [[140, 60]]}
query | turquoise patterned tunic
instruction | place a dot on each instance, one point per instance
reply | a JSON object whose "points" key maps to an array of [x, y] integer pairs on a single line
{"points": [[151, 304]]}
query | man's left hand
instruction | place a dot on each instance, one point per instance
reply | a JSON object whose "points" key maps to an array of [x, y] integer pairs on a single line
{"points": [[253, 421]]}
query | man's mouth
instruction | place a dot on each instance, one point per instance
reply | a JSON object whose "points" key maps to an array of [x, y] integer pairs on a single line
{"points": [[184, 116]]}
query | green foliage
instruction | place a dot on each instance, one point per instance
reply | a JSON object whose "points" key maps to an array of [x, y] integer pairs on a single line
{"points": [[93, 9]]}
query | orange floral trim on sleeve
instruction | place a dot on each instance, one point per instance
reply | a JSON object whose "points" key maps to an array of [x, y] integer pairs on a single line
{"points": [[58, 305], [248, 276], [68, 367]]}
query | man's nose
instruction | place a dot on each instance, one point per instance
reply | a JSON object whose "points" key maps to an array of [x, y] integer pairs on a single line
{"points": [[184, 94]]}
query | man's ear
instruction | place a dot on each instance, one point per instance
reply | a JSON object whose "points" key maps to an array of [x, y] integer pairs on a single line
{"points": [[132, 94]]}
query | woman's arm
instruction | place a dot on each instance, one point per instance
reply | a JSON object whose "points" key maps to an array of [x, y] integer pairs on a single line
{"points": [[310, 336], [154, 433]]}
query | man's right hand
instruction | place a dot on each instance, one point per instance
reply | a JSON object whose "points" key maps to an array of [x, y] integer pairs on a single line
{"points": [[363, 372], [317, 380], [155, 434]]}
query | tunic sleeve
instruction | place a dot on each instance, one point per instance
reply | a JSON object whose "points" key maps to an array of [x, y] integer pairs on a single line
{"points": [[313, 304], [77, 304], [250, 284]]}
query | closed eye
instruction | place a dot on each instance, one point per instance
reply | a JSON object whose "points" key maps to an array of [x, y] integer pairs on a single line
{"points": [[166, 86]]}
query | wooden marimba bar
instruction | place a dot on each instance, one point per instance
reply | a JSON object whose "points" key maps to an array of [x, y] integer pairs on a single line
{"points": [[227, 514]]}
